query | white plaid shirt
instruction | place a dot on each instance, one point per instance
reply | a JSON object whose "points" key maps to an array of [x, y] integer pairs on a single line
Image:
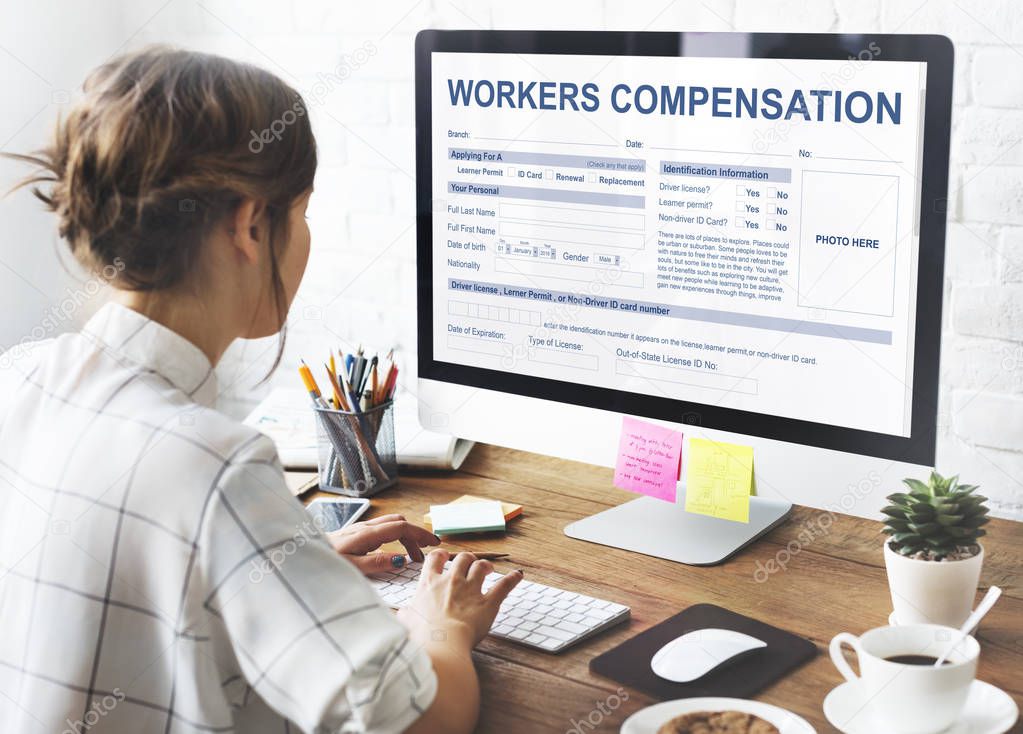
{"points": [[155, 573]]}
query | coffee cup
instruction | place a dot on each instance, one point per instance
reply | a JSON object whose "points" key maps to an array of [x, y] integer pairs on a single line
{"points": [[907, 695]]}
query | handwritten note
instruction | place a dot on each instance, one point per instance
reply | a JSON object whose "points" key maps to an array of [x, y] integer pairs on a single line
{"points": [[649, 459], [719, 477]]}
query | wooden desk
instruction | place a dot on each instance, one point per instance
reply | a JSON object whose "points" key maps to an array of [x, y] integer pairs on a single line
{"points": [[833, 582]]}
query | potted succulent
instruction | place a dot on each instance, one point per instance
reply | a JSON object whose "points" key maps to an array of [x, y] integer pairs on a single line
{"points": [[932, 555]]}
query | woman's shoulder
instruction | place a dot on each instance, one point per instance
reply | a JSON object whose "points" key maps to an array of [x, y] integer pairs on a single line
{"points": [[224, 438]]}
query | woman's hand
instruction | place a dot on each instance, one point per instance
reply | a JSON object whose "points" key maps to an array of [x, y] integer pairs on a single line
{"points": [[359, 541], [449, 605]]}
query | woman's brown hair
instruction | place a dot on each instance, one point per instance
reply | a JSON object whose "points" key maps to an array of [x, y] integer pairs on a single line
{"points": [[164, 144]]}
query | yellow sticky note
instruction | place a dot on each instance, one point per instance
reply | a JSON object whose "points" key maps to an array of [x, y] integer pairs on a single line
{"points": [[719, 477]]}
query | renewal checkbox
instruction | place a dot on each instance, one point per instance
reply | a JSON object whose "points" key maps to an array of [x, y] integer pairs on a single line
{"points": [[591, 178]]}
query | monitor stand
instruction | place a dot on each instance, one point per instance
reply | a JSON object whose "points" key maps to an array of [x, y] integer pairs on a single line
{"points": [[657, 528]]}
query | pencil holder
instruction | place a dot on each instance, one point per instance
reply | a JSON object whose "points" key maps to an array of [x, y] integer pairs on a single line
{"points": [[356, 451]]}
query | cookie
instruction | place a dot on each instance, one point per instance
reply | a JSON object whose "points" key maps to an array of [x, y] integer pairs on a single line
{"points": [[717, 722]]}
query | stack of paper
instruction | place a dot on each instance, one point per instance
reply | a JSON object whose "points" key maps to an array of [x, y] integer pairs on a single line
{"points": [[467, 517], [510, 510]]}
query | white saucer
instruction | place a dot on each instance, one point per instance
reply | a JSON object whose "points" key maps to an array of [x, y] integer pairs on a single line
{"points": [[650, 719], [988, 710]]}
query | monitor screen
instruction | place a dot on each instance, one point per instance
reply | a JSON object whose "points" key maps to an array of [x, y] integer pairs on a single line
{"points": [[737, 232]]}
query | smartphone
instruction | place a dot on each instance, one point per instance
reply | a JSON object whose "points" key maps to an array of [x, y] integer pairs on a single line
{"points": [[333, 514]]}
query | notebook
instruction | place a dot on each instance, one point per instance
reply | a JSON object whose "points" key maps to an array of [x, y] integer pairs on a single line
{"points": [[510, 510], [455, 518]]}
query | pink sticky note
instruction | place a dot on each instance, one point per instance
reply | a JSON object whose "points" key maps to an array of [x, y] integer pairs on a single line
{"points": [[648, 459]]}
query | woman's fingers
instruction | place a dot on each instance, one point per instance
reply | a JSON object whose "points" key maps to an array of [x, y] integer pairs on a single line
{"points": [[434, 563], [478, 571], [460, 565], [413, 549], [371, 537], [374, 563], [500, 590], [383, 518]]}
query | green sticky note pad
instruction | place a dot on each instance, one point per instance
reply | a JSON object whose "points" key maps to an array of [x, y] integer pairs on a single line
{"points": [[467, 517], [719, 478]]}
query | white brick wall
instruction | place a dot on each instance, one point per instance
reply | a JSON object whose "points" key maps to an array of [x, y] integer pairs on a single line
{"points": [[360, 285]]}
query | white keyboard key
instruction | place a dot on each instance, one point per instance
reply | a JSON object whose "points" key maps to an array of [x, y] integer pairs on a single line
{"points": [[571, 628], [551, 644], [518, 634], [535, 639], [501, 629], [557, 634]]}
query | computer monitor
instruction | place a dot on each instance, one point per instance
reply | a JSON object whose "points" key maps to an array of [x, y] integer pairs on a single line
{"points": [[740, 235]]}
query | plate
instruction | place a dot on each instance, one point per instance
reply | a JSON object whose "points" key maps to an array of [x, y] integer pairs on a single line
{"points": [[988, 710], [650, 719]]}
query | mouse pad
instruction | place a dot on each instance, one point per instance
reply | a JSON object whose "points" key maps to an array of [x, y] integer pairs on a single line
{"points": [[629, 663]]}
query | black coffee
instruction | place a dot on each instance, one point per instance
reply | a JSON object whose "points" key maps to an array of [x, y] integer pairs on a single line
{"points": [[914, 660]]}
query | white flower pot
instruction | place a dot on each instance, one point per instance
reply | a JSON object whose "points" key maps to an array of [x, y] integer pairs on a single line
{"points": [[932, 592]]}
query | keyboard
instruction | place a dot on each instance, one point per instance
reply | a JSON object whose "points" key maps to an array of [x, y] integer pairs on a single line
{"points": [[533, 615]]}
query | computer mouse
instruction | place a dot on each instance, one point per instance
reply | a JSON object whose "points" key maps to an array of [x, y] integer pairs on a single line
{"points": [[696, 653]]}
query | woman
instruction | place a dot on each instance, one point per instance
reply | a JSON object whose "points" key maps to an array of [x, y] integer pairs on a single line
{"points": [[132, 513]]}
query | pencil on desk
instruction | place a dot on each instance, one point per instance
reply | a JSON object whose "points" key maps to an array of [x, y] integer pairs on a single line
{"points": [[391, 387], [381, 394], [310, 384], [314, 392], [339, 399], [373, 379]]}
